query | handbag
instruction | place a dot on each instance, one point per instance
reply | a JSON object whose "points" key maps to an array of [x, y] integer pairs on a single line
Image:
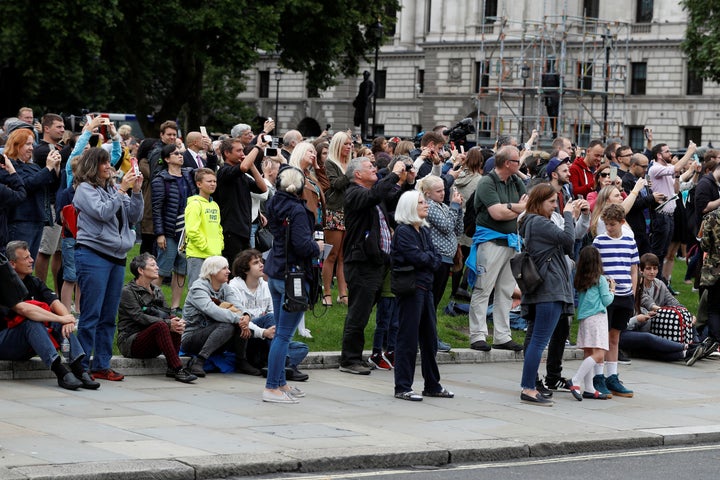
{"points": [[402, 281], [13, 290], [525, 272], [296, 299], [263, 239], [673, 323]]}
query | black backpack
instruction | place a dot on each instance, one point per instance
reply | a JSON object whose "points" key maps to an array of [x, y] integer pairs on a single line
{"points": [[470, 216]]}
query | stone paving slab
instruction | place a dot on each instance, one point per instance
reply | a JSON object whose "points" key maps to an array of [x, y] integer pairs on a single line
{"points": [[149, 426]]}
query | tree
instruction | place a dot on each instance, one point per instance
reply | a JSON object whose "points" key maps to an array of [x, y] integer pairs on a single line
{"points": [[702, 38], [171, 59]]}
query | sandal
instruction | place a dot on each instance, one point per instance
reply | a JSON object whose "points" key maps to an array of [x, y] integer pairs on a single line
{"points": [[342, 299], [441, 394], [411, 396], [327, 304]]}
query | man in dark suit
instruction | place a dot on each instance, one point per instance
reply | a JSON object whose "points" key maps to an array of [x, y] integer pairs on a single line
{"points": [[195, 143]]}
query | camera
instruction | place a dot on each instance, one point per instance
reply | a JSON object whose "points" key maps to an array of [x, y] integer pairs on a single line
{"points": [[408, 167], [270, 152], [460, 131], [267, 138]]}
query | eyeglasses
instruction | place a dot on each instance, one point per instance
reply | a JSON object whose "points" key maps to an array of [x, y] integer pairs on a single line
{"points": [[626, 155], [642, 166], [177, 152], [604, 174], [514, 161]]}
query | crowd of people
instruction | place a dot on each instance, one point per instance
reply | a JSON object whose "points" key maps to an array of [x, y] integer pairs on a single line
{"points": [[257, 235]]}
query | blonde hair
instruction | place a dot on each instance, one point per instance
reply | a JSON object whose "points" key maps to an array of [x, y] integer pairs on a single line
{"points": [[335, 150]]}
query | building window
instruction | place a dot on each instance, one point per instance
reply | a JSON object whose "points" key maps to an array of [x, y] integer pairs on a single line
{"points": [[264, 84], [380, 82], [584, 75], [420, 84], [591, 8], [639, 78], [637, 138], [694, 134], [644, 13], [482, 76], [694, 84], [391, 11], [378, 130], [428, 13], [582, 134], [490, 11]]}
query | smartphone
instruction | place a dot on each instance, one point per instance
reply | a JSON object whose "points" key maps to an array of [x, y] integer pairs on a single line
{"points": [[270, 152], [134, 165], [613, 173], [203, 131], [267, 138], [52, 147], [646, 132]]}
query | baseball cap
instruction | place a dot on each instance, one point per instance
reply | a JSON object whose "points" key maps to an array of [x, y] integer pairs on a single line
{"points": [[553, 164]]}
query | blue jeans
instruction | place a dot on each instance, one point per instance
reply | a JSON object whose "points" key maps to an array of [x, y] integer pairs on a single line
{"points": [[68, 258], [386, 324], [647, 345], [31, 232], [547, 315], [297, 351], [31, 338], [101, 284], [285, 325]]}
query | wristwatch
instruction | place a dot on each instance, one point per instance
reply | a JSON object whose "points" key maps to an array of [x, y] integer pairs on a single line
{"points": [[509, 206]]}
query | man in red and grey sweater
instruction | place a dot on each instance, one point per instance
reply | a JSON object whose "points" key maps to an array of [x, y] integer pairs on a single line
{"points": [[582, 170]]}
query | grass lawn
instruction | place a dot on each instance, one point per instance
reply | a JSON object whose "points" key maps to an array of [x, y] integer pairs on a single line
{"points": [[326, 324]]}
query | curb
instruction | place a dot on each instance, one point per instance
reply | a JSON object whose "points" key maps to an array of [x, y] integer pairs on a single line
{"points": [[36, 369], [222, 466]]}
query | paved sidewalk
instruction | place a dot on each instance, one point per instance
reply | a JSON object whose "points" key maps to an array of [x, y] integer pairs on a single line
{"points": [[153, 427]]}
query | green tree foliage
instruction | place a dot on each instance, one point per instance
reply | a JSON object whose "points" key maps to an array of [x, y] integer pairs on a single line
{"points": [[172, 59], [702, 38]]}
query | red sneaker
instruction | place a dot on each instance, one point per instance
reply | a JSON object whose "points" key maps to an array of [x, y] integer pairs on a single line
{"points": [[109, 374], [379, 361]]}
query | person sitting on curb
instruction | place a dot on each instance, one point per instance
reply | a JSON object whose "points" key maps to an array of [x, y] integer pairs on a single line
{"points": [[145, 326], [26, 335], [215, 320], [257, 301]]}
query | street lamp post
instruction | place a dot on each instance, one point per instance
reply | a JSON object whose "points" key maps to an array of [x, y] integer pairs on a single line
{"points": [[525, 74], [278, 76], [378, 33]]}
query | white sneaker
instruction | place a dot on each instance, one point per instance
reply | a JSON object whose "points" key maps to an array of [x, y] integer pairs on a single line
{"points": [[283, 397], [294, 392]]}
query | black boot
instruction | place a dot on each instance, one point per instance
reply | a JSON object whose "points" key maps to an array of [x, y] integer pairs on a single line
{"points": [[65, 378], [82, 375]]}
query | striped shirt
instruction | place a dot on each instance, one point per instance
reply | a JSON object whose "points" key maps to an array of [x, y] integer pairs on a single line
{"points": [[618, 256]]}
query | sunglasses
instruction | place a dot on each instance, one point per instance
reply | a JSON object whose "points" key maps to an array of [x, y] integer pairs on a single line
{"points": [[604, 174]]}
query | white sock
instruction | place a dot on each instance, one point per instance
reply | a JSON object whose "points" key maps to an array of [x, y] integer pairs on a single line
{"points": [[599, 368], [589, 387], [611, 368], [587, 366]]}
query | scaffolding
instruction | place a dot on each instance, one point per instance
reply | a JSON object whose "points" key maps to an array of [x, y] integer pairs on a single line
{"points": [[562, 75]]}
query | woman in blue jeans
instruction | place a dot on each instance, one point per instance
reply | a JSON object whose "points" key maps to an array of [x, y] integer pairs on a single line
{"points": [[547, 245], [106, 214], [291, 224]]}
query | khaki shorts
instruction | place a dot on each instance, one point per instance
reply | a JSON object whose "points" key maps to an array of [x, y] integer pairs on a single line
{"points": [[51, 241]]}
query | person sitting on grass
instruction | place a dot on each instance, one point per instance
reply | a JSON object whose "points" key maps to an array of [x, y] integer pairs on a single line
{"points": [[146, 328]]}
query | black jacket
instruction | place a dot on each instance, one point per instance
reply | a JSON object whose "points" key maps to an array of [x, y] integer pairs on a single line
{"points": [[211, 160], [12, 193], [362, 221]]}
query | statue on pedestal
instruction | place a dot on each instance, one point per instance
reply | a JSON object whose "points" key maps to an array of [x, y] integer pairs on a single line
{"points": [[363, 103]]}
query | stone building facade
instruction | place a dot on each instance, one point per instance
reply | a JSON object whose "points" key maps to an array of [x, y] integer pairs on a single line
{"points": [[618, 67]]}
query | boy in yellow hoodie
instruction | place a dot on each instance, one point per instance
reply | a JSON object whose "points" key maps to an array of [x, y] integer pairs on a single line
{"points": [[203, 232]]}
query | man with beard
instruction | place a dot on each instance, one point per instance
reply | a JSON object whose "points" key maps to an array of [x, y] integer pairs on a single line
{"points": [[638, 218]]}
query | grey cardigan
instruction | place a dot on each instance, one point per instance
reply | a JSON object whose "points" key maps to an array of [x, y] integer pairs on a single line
{"points": [[547, 245]]}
